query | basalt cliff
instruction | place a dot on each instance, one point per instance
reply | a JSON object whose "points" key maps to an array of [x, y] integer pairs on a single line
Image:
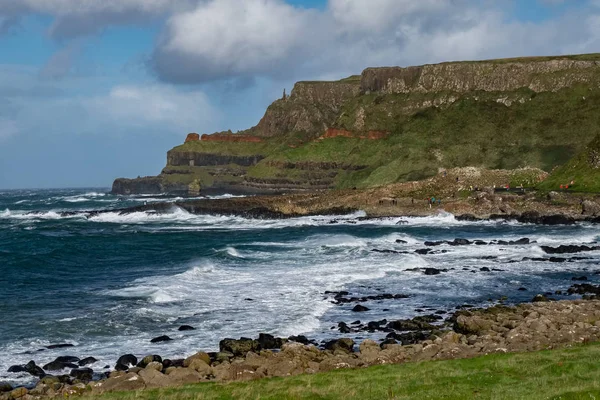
{"points": [[397, 124]]}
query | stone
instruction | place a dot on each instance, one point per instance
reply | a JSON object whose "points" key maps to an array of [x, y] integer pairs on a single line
{"points": [[198, 356], [124, 383], [223, 356], [148, 359], [18, 393], [590, 208], [344, 344], [60, 346], [83, 374], [5, 387], [128, 360], [238, 347], [539, 298], [186, 328], [155, 365], [58, 365], [267, 341], [360, 308], [32, 369], [154, 379], [87, 361], [184, 376], [160, 339], [200, 367]]}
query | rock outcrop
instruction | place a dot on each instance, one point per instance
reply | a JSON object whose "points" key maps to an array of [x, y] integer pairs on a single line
{"points": [[496, 114]]}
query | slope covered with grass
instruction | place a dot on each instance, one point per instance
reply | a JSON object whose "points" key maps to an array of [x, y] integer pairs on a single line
{"points": [[557, 374]]}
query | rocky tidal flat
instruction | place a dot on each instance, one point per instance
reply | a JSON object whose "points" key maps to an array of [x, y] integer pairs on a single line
{"points": [[467, 333]]}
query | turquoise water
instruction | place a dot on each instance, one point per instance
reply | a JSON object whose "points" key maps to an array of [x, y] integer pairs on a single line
{"points": [[110, 283]]}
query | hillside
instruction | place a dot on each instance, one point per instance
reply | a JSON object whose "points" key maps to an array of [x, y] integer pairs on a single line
{"points": [[583, 171], [397, 124]]}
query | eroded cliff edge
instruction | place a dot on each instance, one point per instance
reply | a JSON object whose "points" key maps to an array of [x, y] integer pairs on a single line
{"points": [[397, 124]]}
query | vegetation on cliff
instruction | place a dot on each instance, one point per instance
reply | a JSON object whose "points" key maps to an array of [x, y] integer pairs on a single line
{"points": [[581, 174]]}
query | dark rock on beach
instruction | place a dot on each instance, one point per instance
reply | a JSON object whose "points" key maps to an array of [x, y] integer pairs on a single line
{"points": [[565, 249], [57, 365], [360, 308], [5, 387], [186, 328], [83, 374], [238, 347], [127, 360], [266, 341], [160, 339], [60, 346], [344, 344], [87, 361]]}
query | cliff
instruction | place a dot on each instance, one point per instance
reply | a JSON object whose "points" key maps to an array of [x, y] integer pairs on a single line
{"points": [[396, 124]]}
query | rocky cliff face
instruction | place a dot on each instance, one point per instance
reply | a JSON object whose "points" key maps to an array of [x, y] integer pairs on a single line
{"points": [[537, 75], [501, 114]]}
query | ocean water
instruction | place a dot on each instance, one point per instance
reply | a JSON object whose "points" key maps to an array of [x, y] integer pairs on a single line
{"points": [[110, 283]]}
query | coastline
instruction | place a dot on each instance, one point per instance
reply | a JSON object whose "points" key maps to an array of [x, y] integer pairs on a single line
{"points": [[467, 333]]}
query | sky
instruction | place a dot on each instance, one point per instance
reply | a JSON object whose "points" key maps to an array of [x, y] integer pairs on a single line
{"points": [[92, 90]]}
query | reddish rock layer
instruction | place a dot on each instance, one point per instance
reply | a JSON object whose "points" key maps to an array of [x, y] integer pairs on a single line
{"points": [[192, 137]]}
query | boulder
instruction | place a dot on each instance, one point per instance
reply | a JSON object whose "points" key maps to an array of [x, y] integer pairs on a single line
{"points": [[154, 379], [59, 365], [344, 344], [127, 360], [60, 346], [67, 359], [160, 339], [360, 308], [148, 359], [87, 361], [184, 376], [590, 208], [186, 328], [16, 369], [18, 393], [200, 367], [223, 356], [239, 347], [432, 271], [267, 341], [124, 383], [5, 387], [83, 374], [299, 339], [34, 370], [539, 298], [155, 365], [471, 325], [198, 356]]}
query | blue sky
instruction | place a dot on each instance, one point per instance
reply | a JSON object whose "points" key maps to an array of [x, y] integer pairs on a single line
{"points": [[93, 90]]}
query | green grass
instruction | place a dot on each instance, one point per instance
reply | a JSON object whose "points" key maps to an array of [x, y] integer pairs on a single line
{"points": [[557, 374], [583, 169]]}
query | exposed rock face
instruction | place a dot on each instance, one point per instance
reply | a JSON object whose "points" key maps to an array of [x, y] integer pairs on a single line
{"points": [[192, 137], [491, 76], [311, 107]]}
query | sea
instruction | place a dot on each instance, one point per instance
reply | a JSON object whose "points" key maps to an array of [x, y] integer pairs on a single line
{"points": [[109, 283]]}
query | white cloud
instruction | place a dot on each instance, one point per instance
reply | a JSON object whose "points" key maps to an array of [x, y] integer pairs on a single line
{"points": [[229, 39], [139, 106]]}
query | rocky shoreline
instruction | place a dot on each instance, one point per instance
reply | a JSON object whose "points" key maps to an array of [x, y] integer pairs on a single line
{"points": [[466, 333]]}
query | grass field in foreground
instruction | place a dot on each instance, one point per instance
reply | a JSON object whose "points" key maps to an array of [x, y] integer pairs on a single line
{"points": [[557, 374]]}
